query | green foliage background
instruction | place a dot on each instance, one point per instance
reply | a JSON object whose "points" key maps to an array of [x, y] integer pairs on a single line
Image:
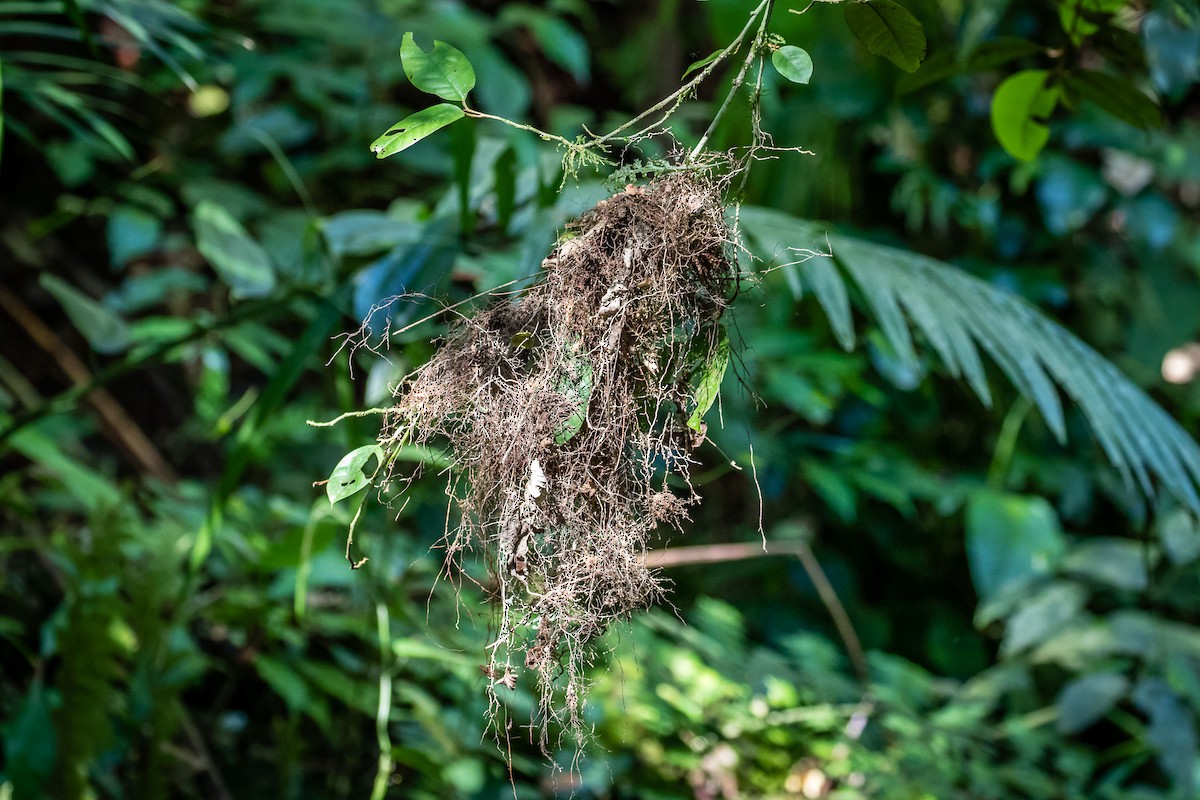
{"points": [[190, 215]]}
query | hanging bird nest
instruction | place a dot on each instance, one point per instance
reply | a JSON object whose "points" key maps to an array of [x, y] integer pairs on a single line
{"points": [[571, 413]]}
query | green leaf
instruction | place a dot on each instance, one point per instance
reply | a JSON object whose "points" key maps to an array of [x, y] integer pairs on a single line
{"points": [[239, 260], [999, 52], [702, 63], [1121, 563], [131, 233], [1172, 731], [576, 385], [1086, 700], [445, 71], [414, 128], [1020, 108], [30, 743], [887, 29], [349, 477], [793, 63], [104, 330], [1115, 95], [1042, 615], [1009, 538], [1179, 532], [710, 381]]}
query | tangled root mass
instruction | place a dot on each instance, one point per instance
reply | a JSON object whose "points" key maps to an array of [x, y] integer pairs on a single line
{"points": [[567, 413]]}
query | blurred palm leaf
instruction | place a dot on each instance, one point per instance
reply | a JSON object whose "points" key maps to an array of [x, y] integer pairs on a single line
{"points": [[958, 315], [54, 66]]}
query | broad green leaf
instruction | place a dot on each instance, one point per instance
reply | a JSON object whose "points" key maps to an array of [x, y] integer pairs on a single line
{"points": [[1179, 532], [131, 233], [1172, 731], [576, 385], [30, 743], [1121, 563], [887, 29], [710, 381], [1115, 95], [1086, 700], [414, 128], [998, 52], [349, 476], [702, 63], [793, 63], [1020, 108], [104, 330], [444, 71], [1010, 537], [239, 260], [1042, 615], [283, 681]]}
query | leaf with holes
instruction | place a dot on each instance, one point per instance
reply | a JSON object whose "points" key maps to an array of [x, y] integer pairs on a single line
{"points": [[887, 29], [414, 128], [349, 477], [444, 71], [793, 63], [1020, 108]]}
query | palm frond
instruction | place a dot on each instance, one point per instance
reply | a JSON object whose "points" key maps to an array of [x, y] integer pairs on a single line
{"points": [[958, 315]]}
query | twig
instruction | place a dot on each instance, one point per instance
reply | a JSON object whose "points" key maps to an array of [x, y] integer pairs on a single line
{"points": [[720, 553], [190, 730], [116, 423]]}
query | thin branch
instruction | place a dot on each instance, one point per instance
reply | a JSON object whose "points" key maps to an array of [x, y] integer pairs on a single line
{"points": [[721, 553], [118, 426]]}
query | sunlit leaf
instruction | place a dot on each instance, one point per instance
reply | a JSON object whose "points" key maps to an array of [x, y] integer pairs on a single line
{"points": [[1020, 108], [444, 71], [887, 29], [793, 63], [414, 128], [349, 476]]}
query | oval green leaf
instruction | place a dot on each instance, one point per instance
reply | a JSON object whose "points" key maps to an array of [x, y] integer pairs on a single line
{"points": [[793, 63], [348, 477], [887, 29], [1115, 95], [575, 384], [444, 71], [1020, 108], [414, 128], [239, 260], [104, 330]]}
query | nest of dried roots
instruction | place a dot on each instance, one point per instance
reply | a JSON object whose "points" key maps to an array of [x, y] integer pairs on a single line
{"points": [[570, 412]]}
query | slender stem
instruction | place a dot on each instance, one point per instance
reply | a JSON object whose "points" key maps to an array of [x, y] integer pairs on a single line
{"points": [[550, 137], [765, 10], [1006, 444], [383, 771], [677, 96]]}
